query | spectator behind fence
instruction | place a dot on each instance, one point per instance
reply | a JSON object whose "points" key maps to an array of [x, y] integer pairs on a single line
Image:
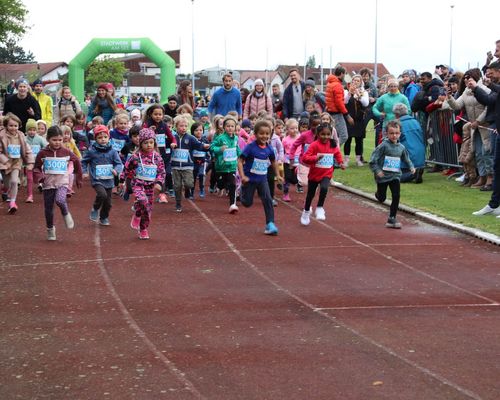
{"points": [[383, 106], [412, 138]]}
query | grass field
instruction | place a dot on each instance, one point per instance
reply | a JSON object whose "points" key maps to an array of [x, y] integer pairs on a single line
{"points": [[437, 194]]}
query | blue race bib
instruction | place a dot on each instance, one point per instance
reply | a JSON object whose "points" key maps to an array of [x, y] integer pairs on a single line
{"points": [[229, 155], [104, 171], [146, 172], [55, 165], [35, 149], [160, 140], [14, 150], [326, 161], [199, 154], [259, 166], [180, 155], [392, 164], [117, 144]]}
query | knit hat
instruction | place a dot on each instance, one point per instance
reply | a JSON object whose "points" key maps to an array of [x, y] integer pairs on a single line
{"points": [[135, 113], [258, 82], [31, 123], [246, 123], [37, 82], [203, 113], [101, 129], [103, 86], [146, 134], [310, 82]]}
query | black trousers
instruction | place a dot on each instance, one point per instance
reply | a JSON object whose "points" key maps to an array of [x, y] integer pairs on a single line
{"points": [[323, 184], [248, 191], [381, 194], [102, 201], [227, 180]]}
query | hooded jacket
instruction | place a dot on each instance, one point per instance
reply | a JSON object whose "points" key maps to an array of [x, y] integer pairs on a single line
{"points": [[101, 155], [231, 143], [334, 96], [380, 163]]}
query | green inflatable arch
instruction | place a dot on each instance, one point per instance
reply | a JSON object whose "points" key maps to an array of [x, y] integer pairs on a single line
{"points": [[145, 46]]}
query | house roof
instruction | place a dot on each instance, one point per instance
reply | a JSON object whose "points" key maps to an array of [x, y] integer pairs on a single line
{"points": [[246, 75], [354, 68], [16, 71]]}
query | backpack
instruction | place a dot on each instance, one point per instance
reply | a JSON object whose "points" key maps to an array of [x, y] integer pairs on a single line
{"points": [[73, 105]]}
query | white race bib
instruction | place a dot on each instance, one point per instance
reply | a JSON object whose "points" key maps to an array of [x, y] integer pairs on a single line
{"points": [[104, 171], [199, 154], [161, 140], [167, 150], [326, 161], [35, 149], [55, 165], [146, 172], [14, 150], [259, 166], [180, 155], [392, 164], [117, 144], [229, 155]]}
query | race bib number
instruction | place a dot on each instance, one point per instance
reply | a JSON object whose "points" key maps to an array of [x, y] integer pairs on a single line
{"points": [[35, 149], [326, 161], [296, 159], [161, 140], [180, 155], [14, 150], [55, 165], [392, 164], [167, 150], [146, 172], [306, 146], [259, 167], [104, 171], [199, 154], [117, 144], [229, 155]]}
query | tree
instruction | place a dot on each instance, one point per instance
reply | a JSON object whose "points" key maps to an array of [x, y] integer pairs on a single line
{"points": [[13, 14], [105, 70], [311, 62], [12, 53]]}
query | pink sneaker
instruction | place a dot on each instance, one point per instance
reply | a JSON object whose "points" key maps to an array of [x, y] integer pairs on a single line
{"points": [[286, 197], [135, 222], [29, 199], [12, 207], [162, 198], [143, 234]]}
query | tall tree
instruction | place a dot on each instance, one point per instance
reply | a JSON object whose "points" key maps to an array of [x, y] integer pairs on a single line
{"points": [[311, 62], [105, 70], [13, 14], [12, 53]]}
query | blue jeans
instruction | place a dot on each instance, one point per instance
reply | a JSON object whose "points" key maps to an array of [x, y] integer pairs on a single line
{"points": [[495, 196], [484, 159]]}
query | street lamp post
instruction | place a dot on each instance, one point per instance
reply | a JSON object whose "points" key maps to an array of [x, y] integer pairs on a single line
{"points": [[451, 32], [192, 44]]}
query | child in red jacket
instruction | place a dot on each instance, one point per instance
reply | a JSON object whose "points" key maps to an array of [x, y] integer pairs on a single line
{"points": [[320, 156]]}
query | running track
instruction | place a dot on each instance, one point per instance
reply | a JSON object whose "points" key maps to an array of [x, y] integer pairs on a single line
{"points": [[210, 308]]}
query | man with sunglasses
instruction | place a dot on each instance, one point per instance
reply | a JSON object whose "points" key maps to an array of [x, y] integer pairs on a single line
{"points": [[293, 104]]}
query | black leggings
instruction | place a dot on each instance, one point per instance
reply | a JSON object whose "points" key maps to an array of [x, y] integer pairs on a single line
{"points": [[381, 194], [324, 184], [227, 180], [358, 149]]}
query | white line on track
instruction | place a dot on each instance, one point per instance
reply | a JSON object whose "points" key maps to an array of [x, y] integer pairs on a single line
{"points": [[305, 303], [135, 327], [407, 306]]}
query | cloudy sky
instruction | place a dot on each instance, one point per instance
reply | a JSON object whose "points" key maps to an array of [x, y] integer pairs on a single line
{"points": [[262, 33]]}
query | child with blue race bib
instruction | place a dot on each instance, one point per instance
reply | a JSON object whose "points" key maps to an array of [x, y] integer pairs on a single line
{"points": [[385, 162], [182, 159], [320, 157], [200, 160], [103, 164], [226, 152], [14, 152], [118, 137], [51, 168], [37, 143], [144, 174], [253, 165]]}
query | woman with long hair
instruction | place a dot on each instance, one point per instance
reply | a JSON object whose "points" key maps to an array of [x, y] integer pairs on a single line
{"points": [[102, 105]]}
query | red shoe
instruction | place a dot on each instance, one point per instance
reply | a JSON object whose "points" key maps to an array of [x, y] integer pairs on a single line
{"points": [[135, 223], [12, 207], [143, 234]]}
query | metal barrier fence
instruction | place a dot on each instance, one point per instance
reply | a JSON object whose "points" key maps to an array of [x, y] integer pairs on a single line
{"points": [[441, 149]]}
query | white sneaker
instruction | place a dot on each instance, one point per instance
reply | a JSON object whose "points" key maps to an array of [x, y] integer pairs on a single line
{"points": [[51, 233], [320, 213], [460, 179], [233, 208], [68, 220], [487, 210], [305, 218]]}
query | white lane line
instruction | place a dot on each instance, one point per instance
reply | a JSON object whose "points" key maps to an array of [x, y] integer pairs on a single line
{"points": [[395, 260], [135, 327], [305, 303], [407, 306]]}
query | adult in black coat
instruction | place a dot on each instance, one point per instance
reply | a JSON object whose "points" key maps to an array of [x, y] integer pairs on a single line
{"points": [[23, 104], [293, 91], [428, 93]]}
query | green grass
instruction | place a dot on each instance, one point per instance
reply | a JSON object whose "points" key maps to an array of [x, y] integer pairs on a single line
{"points": [[437, 194]]}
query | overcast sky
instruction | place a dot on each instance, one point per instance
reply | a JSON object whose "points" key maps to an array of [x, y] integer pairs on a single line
{"points": [[264, 33]]}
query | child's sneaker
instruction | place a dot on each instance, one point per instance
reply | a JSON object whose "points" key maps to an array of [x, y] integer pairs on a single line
{"points": [[202, 193], [171, 193], [143, 234], [12, 207], [178, 208], [275, 203], [211, 189], [233, 208], [51, 233], [320, 213], [305, 217], [271, 229], [392, 223], [162, 198], [29, 199], [94, 215], [286, 197], [135, 222], [104, 222], [68, 220], [300, 189], [40, 188]]}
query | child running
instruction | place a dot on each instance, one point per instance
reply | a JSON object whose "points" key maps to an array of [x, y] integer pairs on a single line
{"points": [[200, 159], [14, 151], [226, 152], [103, 164], [292, 133], [320, 157], [37, 143], [144, 173], [253, 169], [385, 163], [51, 166]]}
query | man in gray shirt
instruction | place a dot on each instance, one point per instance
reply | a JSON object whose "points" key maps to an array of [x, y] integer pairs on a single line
{"points": [[293, 104]]}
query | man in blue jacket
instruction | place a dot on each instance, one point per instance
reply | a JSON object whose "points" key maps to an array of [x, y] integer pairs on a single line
{"points": [[225, 99]]}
